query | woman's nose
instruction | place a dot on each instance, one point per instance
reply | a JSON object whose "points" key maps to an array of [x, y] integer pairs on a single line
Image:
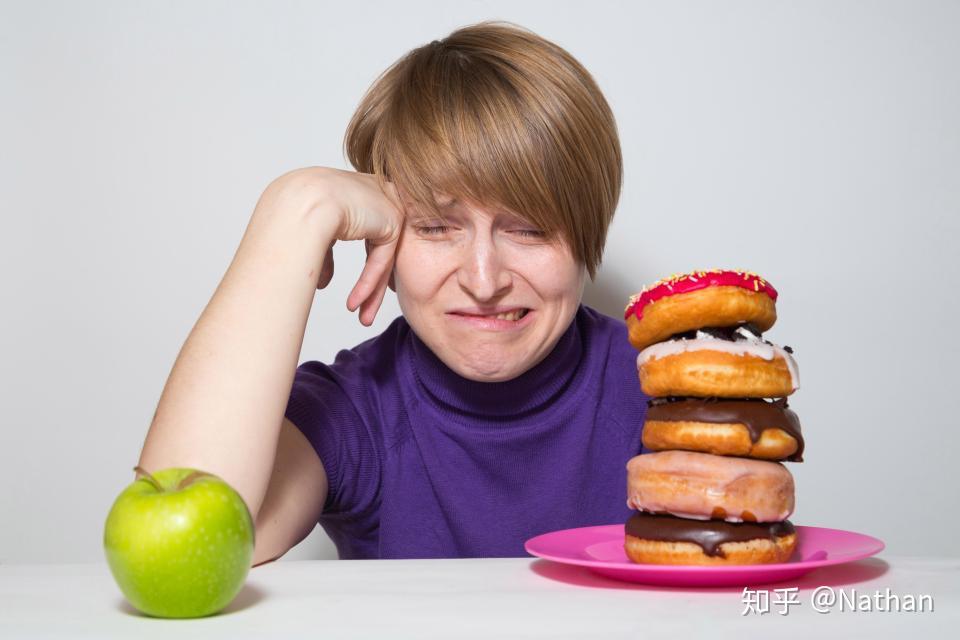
{"points": [[482, 273]]}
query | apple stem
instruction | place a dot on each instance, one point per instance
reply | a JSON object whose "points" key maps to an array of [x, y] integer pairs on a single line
{"points": [[190, 479], [149, 478]]}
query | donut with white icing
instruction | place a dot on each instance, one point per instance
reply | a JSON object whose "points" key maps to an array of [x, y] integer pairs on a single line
{"points": [[701, 364], [714, 298]]}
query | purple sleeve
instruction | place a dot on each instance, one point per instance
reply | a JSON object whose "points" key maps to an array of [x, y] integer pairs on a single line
{"points": [[323, 405]]}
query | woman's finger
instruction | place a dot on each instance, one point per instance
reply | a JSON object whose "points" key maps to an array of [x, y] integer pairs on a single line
{"points": [[370, 306], [364, 286], [375, 271]]}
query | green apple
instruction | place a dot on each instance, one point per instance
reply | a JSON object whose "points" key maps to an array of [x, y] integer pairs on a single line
{"points": [[179, 543]]}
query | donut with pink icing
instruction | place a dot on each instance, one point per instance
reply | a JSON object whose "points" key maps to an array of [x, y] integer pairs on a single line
{"points": [[702, 486], [689, 301]]}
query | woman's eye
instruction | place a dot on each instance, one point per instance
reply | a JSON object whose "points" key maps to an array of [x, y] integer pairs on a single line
{"points": [[530, 233], [432, 230]]}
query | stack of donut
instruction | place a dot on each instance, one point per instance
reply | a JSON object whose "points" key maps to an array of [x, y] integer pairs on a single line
{"points": [[712, 490]]}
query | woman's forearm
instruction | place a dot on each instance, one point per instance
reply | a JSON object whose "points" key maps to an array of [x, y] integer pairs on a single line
{"points": [[223, 403]]}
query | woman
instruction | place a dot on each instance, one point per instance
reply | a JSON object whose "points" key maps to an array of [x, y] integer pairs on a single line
{"points": [[497, 407]]}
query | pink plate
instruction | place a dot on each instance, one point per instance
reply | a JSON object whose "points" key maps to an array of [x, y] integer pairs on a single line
{"points": [[601, 550]]}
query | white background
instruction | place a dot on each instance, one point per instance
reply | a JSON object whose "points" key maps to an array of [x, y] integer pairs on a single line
{"points": [[817, 143]]}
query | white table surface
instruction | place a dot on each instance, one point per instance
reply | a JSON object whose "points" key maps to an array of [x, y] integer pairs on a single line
{"points": [[486, 598]]}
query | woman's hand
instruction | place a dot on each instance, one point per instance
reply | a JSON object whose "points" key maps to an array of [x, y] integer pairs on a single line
{"points": [[357, 209]]}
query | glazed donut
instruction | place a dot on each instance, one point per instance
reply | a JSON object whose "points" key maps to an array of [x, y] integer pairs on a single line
{"points": [[688, 301], [753, 428], [720, 362], [701, 486], [664, 539]]}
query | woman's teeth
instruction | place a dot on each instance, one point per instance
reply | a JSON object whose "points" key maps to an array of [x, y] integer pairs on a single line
{"points": [[513, 315]]}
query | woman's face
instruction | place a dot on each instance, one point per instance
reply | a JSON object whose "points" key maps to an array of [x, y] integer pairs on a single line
{"points": [[454, 277]]}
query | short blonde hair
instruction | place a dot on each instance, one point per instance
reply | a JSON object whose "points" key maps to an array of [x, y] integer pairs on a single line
{"points": [[496, 115]]}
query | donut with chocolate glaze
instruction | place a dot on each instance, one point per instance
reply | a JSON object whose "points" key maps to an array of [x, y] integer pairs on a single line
{"points": [[749, 427], [731, 362], [665, 539], [715, 298], [702, 486]]}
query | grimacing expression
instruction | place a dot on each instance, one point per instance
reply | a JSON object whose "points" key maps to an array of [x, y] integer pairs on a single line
{"points": [[485, 290]]}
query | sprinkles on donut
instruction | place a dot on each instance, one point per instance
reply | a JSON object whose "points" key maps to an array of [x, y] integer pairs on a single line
{"points": [[683, 282]]}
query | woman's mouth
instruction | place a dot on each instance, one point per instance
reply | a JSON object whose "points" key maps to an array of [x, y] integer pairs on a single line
{"points": [[513, 318]]}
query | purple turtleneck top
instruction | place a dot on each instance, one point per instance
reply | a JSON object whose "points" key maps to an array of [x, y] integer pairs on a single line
{"points": [[423, 463]]}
